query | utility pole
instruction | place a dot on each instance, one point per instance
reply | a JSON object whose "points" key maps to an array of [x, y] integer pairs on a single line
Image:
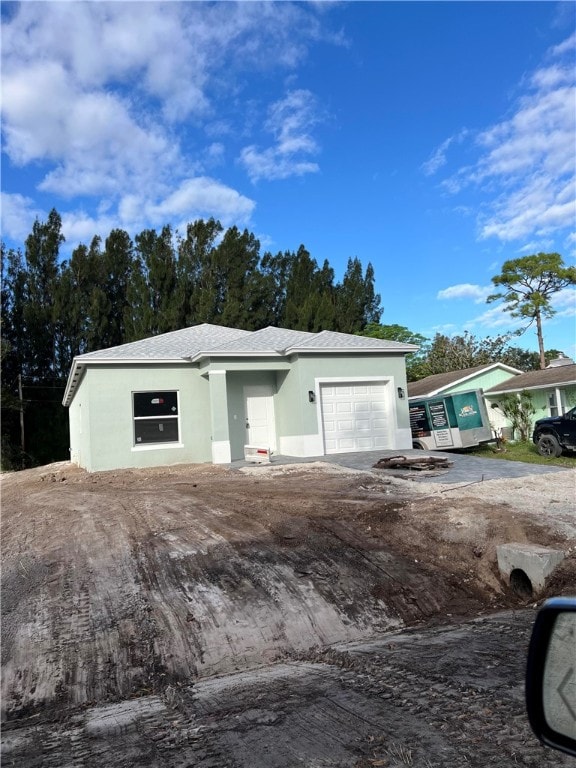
{"points": [[21, 399]]}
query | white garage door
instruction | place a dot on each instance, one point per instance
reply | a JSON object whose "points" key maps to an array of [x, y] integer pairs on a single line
{"points": [[356, 417]]}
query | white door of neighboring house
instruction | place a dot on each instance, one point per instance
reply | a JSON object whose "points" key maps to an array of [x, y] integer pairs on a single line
{"points": [[356, 416], [259, 413]]}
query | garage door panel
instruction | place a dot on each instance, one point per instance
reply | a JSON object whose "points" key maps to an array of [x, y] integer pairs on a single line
{"points": [[367, 405], [342, 392]]}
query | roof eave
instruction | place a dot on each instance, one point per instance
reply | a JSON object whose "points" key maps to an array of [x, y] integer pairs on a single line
{"points": [[73, 377], [235, 353], [79, 365], [533, 386], [353, 350], [462, 379]]}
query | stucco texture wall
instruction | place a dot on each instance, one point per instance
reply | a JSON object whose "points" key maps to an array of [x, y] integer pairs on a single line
{"points": [[107, 437], [298, 419], [481, 381]]}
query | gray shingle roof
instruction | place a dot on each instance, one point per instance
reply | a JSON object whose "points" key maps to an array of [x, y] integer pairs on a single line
{"points": [[169, 346], [284, 341], [432, 385], [348, 341], [266, 340], [200, 341], [549, 377]]}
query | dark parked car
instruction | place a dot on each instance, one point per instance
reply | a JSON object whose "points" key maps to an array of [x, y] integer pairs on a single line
{"points": [[555, 434]]}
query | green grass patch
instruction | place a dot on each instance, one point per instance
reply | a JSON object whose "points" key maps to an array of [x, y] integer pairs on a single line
{"points": [[520, 452]]}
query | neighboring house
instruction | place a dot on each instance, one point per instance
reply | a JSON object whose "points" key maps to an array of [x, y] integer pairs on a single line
{"points": [[553, 390], [479, 377], [203, 393]]}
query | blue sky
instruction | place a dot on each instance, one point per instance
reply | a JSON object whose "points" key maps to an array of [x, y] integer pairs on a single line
{"points": [[435, 140]]}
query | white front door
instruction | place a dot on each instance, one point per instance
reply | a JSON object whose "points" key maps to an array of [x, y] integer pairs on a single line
{"points": [[259, 413]]}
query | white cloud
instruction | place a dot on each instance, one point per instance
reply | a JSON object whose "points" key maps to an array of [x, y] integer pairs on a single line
{"points": [[18, 213], [525, 169], [495, 318], [112, 43], [80, 227], [537, 246], [111, 101], [564, 302], [447, 329], [566, 46], [199, 197], [290, 121], [438, 158], [477, 293]]}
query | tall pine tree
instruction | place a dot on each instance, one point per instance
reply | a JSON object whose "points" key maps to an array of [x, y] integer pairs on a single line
{"points": [[196, 295], [309, 294], [151, 291], [236, 261], [357, 304], [42, 253]]}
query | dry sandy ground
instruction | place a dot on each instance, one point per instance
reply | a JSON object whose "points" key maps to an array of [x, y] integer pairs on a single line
{"points": [[125, 593]]}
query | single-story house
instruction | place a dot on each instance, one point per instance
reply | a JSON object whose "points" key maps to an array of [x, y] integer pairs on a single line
{"points": [[552, 390], [479, 377], [201, 394]]}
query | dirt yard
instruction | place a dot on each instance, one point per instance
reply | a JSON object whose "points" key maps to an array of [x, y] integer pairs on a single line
{"points": [[203, 616]]}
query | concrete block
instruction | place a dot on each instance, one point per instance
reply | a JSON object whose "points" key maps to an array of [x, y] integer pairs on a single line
{"points": [[535, 561]]}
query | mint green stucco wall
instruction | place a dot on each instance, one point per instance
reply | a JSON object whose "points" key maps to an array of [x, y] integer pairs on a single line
{"points": [[565, 397], [79, 417], [480, 381], [295, 415], [105, 399]]}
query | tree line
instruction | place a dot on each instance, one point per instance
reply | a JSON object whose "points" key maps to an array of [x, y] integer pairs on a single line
{"points": [[121, 290]]}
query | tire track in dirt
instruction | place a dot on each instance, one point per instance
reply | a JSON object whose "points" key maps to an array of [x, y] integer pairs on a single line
{"points": [[391, 702], [127, 591]]}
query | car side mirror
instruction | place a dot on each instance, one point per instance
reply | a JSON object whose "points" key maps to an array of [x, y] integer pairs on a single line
{"points": [[551, 675]]}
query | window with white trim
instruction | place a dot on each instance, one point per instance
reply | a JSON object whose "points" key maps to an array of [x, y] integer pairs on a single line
{"points": [[553, 404], [156, 418]]}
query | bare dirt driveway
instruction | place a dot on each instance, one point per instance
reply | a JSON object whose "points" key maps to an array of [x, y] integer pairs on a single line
{"points": [[303, 615]]}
